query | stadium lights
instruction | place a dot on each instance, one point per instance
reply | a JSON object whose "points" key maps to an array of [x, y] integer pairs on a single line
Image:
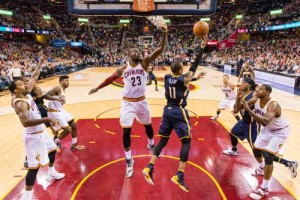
{"points": [[206, 19], [239, 17], [6, 12], [124, 21], [46, 17], [83, 20], [276, 12]]}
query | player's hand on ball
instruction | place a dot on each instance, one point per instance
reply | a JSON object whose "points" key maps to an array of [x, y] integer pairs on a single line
{"points": [[94, 90]]}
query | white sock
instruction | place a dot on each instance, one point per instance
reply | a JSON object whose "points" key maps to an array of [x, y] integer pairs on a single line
{"points": [[28, 195], [265, 184], [74, 140], [261, 164], [128, 154], [51, 170], [151, 141]]}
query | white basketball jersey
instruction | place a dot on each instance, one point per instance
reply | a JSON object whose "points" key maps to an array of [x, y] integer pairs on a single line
{"points": [[33, 113], [276, 123], [57, 105], [135, 80], [228, 92]]}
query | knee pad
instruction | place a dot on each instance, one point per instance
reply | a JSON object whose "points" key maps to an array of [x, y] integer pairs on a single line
{"points": [[126, 137], [268, 158], [257, 153], [31, 176], [161, 144], [149, 131], [185, 149]]}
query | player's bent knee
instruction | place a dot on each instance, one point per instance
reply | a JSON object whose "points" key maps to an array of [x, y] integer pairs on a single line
{"points": [[185, 149], [268, 158], [257, 153]]}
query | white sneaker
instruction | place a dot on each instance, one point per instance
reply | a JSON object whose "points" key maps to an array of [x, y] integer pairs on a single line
{"points": [[214, 117], [259, 193], [293, 169], [55, 175], [129, 167], [230, 152], [258, 172]]}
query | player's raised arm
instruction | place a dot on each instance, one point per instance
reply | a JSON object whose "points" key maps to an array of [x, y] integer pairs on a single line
{"points": [[189, 75], [117, 74], [148, 59], [35, 75]]}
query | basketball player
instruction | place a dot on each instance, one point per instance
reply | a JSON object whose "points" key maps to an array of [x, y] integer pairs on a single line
{"points": [[56, 98], [134, 104], [274, 132], [247, 72], [176, 117], [246, 128], [229, 97], [40, 148], [152, 77]]}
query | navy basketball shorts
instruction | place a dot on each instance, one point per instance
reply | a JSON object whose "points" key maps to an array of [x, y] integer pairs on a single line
{"points": [[243, 130], [175, 118], [152, 76]]}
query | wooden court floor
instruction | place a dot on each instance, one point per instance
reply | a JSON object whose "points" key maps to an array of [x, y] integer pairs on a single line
{"points": [[203, 100]]}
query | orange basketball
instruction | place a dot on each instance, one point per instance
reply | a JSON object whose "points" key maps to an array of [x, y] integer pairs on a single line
{"points": [[200, 29]]}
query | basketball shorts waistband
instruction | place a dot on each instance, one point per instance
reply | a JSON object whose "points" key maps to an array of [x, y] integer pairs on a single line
{"points": [[38, 132], [52, 110], [134, 99]]}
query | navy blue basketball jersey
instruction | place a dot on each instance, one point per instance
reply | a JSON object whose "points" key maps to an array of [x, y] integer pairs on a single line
{"points": [[175, 91], [245, 114], [247, 73]]}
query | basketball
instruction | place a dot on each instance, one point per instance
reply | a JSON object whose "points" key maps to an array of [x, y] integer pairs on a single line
{"points": [[200, 29]]}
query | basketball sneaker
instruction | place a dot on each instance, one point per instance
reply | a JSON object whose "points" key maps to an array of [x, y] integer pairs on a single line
{"points": [[77, 147], [230, 152], [147, 172], [258, 172], [54, 175], [214, 117], [150, 147], [129, 167], [259, 193], [293, 169], [178, 179]]}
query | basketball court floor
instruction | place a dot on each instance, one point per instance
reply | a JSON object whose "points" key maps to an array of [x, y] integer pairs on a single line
{"points": [[98, 172]]}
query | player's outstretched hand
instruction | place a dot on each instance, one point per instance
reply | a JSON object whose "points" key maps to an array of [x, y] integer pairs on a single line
{"points": [[94, 90], [165, 28]]}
